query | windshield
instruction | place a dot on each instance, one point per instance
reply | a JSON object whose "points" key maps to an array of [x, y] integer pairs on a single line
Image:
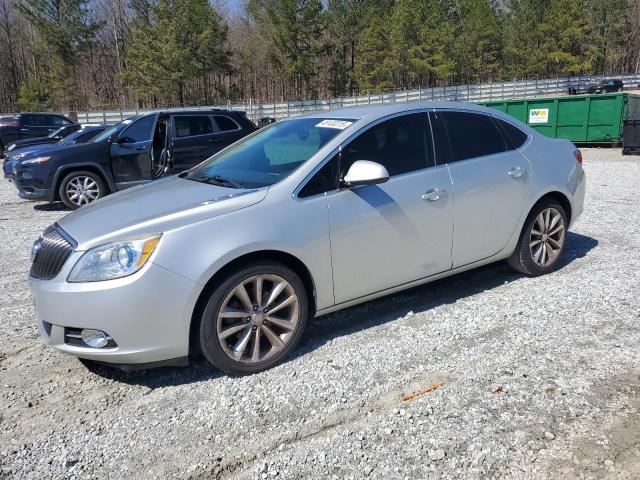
{"points": [[270, 155], [118, 127]]}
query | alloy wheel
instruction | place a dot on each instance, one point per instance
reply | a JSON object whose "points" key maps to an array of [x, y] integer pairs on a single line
{"points": [[547, 237], [258, 318], [82, 190]]}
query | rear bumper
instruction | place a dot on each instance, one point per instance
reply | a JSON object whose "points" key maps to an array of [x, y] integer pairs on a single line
{"points": [[148, 315]]}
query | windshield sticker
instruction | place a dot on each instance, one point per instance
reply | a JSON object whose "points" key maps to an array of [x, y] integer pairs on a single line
{"points": [[339, 124]]}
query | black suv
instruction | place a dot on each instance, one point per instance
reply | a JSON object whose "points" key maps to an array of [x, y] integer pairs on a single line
{"points": [[29, 125], [134, 151]]}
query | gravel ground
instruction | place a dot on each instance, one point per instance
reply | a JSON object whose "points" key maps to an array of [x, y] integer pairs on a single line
{"points": [[541, 376]]}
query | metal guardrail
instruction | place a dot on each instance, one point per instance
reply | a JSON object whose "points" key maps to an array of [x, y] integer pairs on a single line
{"points": [[461, 93]]}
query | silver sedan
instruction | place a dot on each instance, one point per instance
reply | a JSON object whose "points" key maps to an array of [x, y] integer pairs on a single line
{"points": [[304, 217]]}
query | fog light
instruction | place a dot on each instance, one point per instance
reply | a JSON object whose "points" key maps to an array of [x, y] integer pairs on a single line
{"points": [[94, 338]]}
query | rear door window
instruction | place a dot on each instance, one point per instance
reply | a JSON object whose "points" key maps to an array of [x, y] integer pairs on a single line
{"points": [[191, 125], [472, 135], [225, 124]]}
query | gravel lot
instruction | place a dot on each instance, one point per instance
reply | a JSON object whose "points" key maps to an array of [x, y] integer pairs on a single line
{"points": [[541, 376]]}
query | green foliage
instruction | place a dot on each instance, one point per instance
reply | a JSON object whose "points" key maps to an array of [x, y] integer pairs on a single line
{"points": [[33, 95], [184, 41], [168, 52], [65, 30], [292, 32]]}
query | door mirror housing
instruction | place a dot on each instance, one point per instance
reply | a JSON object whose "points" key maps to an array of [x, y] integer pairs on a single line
{"points": [[365, 172], [124, 140]]}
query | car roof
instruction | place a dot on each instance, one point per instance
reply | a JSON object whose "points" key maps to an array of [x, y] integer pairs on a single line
{"points": [[384, 109], [203, 111]]}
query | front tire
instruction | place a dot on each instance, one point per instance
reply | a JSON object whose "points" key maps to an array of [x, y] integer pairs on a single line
{"points": [[81, 188], [254, 318], [542, 239]]}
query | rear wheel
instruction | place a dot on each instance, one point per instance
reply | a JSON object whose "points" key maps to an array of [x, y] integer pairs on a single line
{"points": [[254, 318], [542, 239], [81, 188]]}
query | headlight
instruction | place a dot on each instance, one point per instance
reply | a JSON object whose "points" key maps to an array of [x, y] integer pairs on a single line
{"points": [[35, 161], [114, 260], [11, 147], [15, 156]]}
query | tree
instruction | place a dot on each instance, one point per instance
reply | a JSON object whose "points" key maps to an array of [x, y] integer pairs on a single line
{"points": [[567, 44], [33, 95], [183, 43], [292, 31], [65, 29], [478, 41]]}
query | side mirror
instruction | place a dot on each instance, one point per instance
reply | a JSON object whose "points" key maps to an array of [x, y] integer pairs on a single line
{"points": [[124, 140], [364, 172]]}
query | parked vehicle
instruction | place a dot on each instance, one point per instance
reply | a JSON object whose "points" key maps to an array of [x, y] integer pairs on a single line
{"points": [[26, 154], [264, 121], [135, 151], [53, 137], [29, 125], [304, 217], [6, 120], [604, 86], [607, 86]]}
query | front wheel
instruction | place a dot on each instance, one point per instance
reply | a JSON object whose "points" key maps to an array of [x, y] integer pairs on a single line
{"points": [[254, 318], [81, 188], [542, 239]]}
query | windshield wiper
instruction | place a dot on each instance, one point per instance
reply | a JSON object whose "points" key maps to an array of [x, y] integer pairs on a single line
{"points": [[219, 180]]}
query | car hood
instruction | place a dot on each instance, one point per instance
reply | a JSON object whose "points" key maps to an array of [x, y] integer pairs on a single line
{"points": [[33, 141], [158, 206], [33, 151]]}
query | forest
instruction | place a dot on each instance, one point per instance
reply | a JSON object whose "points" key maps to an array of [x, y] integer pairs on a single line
{"points": [[71, 55]]}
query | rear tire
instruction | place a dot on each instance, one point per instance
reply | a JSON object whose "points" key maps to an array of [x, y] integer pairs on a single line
{"points": [[81, 188], [542, 240], [254, 318]]}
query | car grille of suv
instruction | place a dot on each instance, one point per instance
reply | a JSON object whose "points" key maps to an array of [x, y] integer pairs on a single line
{"points": [[51, 251]]}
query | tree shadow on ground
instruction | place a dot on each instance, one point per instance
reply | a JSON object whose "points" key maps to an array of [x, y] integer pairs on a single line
{"points": [[366, 315]]}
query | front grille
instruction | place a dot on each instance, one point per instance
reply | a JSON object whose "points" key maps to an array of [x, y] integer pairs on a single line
{"points": [[73, 337], [51, 251]]}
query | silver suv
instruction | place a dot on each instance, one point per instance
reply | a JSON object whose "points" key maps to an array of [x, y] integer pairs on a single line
{"points": [[302, 218]]}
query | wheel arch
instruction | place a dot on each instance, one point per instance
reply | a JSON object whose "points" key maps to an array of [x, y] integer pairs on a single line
{"points": [[90, 167], [278, 256], [559, 197]]}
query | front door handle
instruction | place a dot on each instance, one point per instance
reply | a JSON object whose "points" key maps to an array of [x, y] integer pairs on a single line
{"points": [[433, 195], [515, 172], [141, 147]]}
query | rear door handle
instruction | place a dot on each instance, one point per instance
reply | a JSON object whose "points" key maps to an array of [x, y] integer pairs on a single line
{"points": [[515, 172], [141, 147], [433, 195]]}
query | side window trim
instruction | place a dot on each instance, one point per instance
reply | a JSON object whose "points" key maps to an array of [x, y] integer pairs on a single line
{"points": [[353, 136], [499, 120], [216, 128], [175, 131]]}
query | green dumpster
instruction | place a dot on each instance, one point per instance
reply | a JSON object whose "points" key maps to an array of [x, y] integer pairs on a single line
{"points": [[581, 118]]}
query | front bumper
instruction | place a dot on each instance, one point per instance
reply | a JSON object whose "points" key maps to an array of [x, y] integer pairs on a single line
{"points": [[147, 314]]}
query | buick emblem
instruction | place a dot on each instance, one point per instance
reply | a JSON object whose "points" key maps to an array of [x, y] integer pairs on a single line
{"points": [[35, 249]]}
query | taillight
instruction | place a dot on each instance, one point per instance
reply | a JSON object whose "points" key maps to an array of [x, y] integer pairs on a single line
{"points": [[578, 154]]}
